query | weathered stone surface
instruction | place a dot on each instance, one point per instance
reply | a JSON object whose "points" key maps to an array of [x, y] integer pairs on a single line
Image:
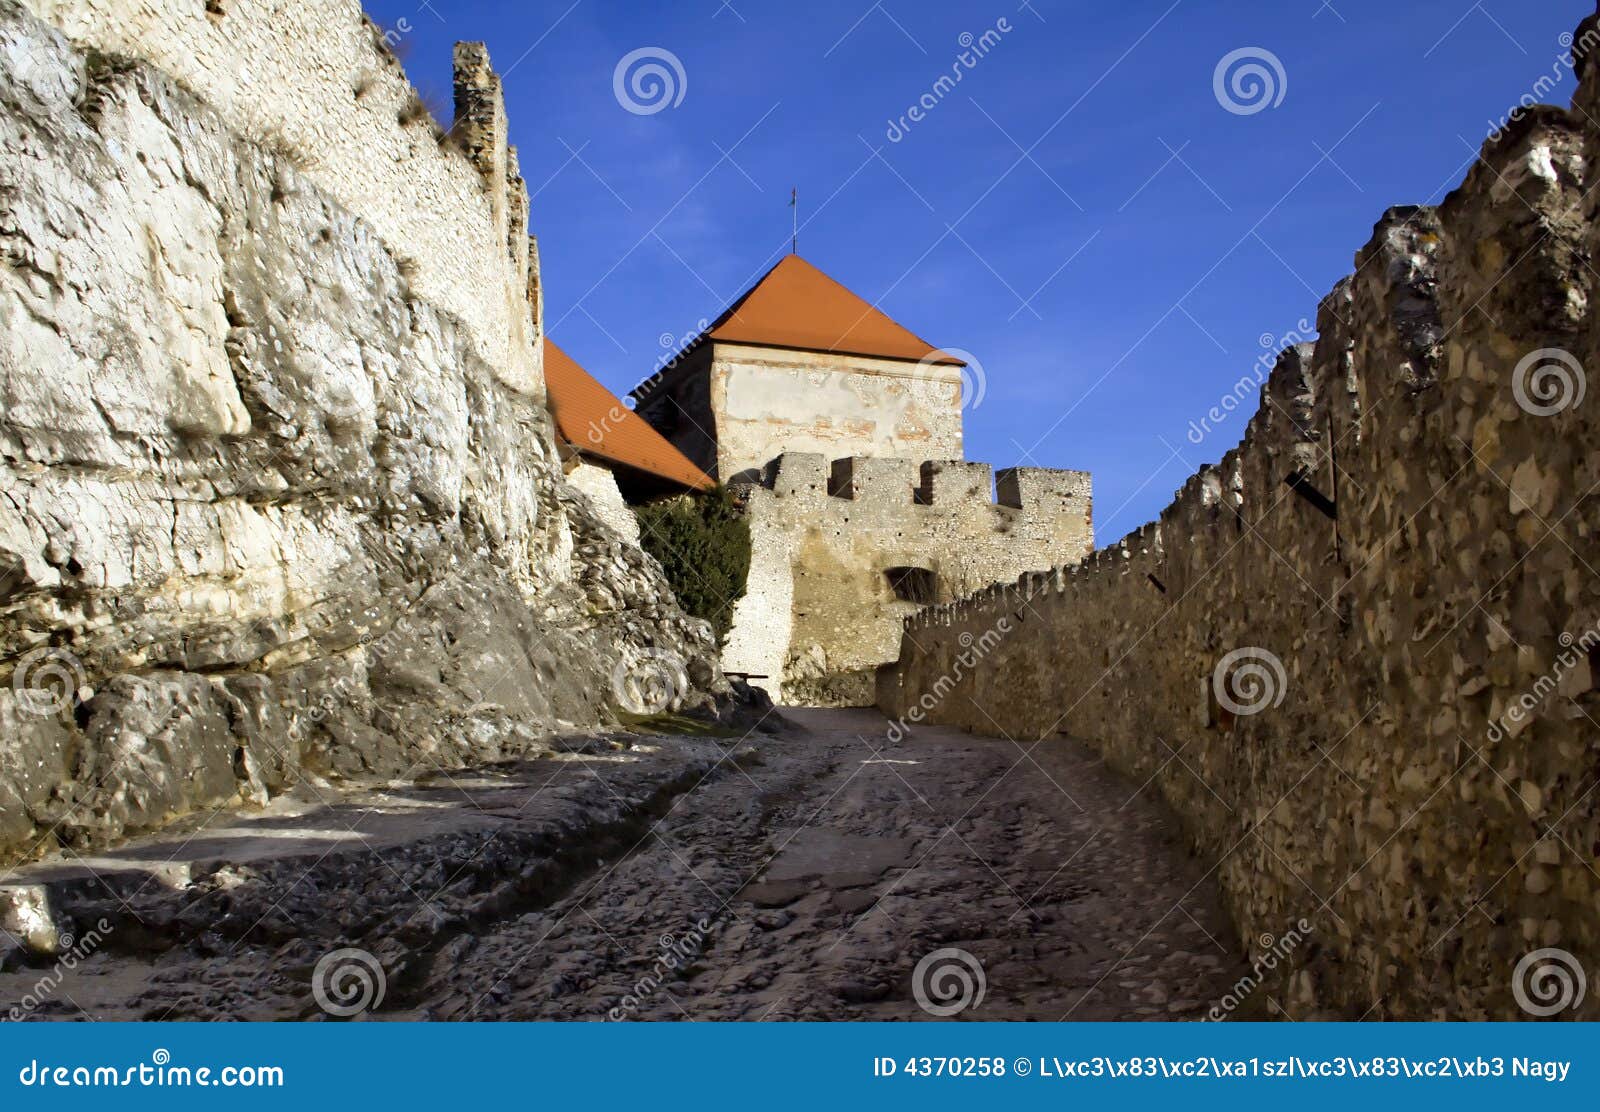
{"points": [[798, 876], [265, 510], [319, 82], [1411, 766]]}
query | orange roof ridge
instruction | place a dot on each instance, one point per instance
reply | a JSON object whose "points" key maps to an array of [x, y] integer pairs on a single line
{"points": [[594, 420], [795, 305]]}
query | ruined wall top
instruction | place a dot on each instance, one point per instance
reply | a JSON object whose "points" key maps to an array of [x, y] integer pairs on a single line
{"points": [[317, 81]]}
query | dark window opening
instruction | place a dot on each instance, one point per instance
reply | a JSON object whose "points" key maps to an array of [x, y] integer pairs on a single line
{"points": [[667, 418], [917, 585]]}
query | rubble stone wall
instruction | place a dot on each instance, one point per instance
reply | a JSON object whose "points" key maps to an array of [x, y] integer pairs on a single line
{"points": [[1382, 721], [265, 509], [600, 484], [820, 611]]}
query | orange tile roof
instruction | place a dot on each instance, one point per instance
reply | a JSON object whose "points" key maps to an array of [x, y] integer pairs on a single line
{"points": [[797, 306], [593, 420]]}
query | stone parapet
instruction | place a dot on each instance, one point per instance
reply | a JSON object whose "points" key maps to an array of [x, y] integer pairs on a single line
{"points": [[1357, 655]]}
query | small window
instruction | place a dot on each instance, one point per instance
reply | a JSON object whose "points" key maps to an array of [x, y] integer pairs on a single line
{"points": [[917, 585]]}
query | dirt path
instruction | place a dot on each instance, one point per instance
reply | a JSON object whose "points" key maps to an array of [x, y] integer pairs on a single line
{"points": [[798, 876]]}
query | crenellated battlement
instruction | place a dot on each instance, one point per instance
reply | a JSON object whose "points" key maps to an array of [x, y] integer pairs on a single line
{"points": [[845, 549], [904, 487]]}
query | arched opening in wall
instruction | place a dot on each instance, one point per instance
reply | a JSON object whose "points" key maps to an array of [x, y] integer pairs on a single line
{"points": [[917, 585]]}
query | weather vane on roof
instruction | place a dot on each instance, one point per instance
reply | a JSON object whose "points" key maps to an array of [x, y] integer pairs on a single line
{"points": [[794, 203]]}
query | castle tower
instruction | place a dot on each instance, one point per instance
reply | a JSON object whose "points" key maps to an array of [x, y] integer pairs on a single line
{"points": [[799, 363], [844, 430]]}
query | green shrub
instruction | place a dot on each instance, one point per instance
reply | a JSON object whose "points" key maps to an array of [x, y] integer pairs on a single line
{"points": [[703, 544]]}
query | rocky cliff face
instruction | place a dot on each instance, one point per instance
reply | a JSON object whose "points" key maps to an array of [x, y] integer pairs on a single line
{"points": [[263, 512]]}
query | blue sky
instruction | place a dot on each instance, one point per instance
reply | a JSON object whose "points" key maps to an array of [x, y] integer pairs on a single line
{"points": [[1081, 212]]}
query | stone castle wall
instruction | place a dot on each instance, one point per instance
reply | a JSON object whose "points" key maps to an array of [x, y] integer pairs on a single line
{"points": [[820, 612], [268, 510], [315, 81], [1385, 721], [600, 485]]}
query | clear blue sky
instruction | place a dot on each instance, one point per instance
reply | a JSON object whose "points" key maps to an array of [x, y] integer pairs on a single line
{"points": [[1113, 284]]}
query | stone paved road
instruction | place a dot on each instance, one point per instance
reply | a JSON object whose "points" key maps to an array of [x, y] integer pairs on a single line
{"points": [[798, 876]]}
